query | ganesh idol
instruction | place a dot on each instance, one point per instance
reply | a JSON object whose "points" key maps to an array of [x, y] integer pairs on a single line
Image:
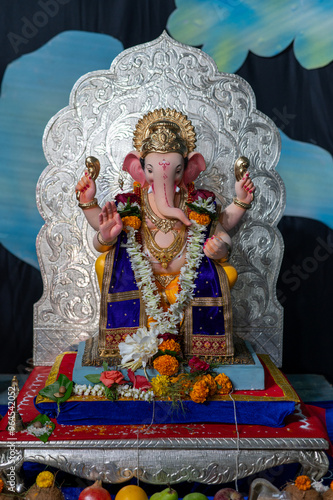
{"points": [[164, 269]]}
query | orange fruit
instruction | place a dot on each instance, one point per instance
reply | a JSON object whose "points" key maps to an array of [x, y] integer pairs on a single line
{"points": [[131, 492]]}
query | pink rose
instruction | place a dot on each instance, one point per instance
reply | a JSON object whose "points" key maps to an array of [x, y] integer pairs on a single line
{"points": [[203, 194], [123, 197], [197, 365], [112, 377]]}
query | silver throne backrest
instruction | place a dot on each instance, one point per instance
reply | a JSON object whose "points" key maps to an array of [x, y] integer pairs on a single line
{"points": [[103, 110]]}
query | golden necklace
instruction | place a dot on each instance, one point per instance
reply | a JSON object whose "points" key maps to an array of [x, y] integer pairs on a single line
{"points": [[164, 255]]}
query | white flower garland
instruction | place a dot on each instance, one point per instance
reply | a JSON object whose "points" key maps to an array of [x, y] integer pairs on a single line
{"points": [[124, 391], [167, 321]]}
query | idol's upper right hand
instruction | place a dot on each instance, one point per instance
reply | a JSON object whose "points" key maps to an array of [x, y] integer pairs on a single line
{"points": [[87, 188]]}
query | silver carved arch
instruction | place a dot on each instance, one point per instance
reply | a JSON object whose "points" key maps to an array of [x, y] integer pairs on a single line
{"points": [[103, 110]]}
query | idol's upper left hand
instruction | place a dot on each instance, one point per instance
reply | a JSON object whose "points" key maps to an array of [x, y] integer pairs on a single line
{"points": [[245, 189]]}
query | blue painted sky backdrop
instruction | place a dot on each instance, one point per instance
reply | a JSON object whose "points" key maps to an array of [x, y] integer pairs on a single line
{"points": [[34, 88]]}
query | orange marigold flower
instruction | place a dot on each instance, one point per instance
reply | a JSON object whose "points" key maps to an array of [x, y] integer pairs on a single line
{"points": [[224, 385], [331, 485], [131, 221], [202, 219], [303, 483], [170, 345], [166, 365], [1, 485], [212, 386], [200, 392]]}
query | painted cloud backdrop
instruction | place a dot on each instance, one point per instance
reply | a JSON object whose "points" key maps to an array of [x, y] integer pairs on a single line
{"points": [[229, 29]]}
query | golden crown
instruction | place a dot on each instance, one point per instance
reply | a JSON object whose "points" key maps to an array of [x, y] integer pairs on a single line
{"points": [[164, 131]]}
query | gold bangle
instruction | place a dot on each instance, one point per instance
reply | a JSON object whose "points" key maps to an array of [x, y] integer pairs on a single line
{"points": [[89, 204], [241, 204], [103, 242]]}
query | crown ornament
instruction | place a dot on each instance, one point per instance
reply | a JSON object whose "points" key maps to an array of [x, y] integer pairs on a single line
{"points": [[164, 131]]}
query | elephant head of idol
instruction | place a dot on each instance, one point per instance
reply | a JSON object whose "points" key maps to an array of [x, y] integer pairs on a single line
{"points": [[164, 159]]}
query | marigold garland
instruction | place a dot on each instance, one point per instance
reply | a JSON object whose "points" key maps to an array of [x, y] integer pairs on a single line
{"points": [[200, 392], [331, 485], [131, 221], [224, 385], [45, 479], [211, 384], [303, 483], [202, 219], [166, 365], [1, 485], [170, 345]]}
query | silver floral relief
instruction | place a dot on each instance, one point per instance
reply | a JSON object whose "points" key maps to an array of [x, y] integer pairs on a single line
{"points": [[103, 110], [176, 465]]}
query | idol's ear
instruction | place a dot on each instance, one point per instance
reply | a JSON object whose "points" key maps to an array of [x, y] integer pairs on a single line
{"points": [[196, 164], [132, 165]]}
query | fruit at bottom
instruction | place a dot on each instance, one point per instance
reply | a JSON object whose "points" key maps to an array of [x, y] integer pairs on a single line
{"points": [[228, 494], [167, 494], [195, 496], [131, 492], [95, 492]]}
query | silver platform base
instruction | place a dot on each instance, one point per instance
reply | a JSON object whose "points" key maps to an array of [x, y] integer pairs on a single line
{"points": [[162, 461]]}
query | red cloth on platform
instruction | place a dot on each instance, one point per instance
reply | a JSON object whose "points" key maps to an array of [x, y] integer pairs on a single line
{"points": [[304, 423]]}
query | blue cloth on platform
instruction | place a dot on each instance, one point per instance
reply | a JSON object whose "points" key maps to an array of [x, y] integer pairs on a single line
{"points": [[271, 414]]}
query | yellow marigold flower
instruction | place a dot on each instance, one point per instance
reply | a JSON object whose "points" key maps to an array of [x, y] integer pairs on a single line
{"points": [[131, 221], [45, 479], [202, 219], [303, 483], [160, 385], [200, 392], [212, 386], [1, 485], [166, 365], [224, 382], [169, 345]]}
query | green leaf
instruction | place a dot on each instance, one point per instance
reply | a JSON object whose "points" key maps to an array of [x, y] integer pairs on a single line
{"points": [[111, 392], [105, 366], [43, 419], [94, 378], [50, 390]]}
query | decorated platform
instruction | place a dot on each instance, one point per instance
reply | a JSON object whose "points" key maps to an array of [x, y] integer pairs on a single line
{"points": [[160, 453], [266, 407]]}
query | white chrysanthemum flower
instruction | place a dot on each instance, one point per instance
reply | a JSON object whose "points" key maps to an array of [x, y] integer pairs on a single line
{"points": [[208, 204], [139, 347]]}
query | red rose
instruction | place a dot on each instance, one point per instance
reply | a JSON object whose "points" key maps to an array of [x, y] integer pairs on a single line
{"points": [[197, 365], [112, 377], [203, 194], [123, 197]]}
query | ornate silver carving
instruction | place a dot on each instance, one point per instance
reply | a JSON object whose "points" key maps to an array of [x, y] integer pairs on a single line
{"points": [[103, 110], [170, 464]]}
